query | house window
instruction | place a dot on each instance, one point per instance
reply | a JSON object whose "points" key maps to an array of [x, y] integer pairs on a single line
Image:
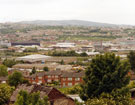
{"points": [[64, 84], [70, 79], [33, 78], [69, 84], [3, 82], [56, 76], [49, 76], [39, 77], [64, 79], [77, 79], [34, 82], [40, 82], [49, 80], [56, 80]]}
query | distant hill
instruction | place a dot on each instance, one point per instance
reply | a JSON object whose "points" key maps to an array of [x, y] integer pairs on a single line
{"points": [[67, 23]]}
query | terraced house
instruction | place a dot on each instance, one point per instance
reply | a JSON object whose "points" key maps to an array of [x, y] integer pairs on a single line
{"points": [[63, 77]]}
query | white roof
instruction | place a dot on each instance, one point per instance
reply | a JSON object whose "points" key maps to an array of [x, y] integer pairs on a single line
{"points": [[33, 57], [92, 53], [89, 53]]}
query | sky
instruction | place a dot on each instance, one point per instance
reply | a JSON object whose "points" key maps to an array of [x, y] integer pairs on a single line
{"points": [[105, 11]]}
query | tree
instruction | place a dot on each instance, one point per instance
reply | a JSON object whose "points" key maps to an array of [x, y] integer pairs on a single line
{"points": [[31, 99], [62, 62], [105, 73], [131, 58], [5, 93], [3, 71], [9, 62], [23, 98], [33, 70], [84, 54], [46, 69], [15, 79]]}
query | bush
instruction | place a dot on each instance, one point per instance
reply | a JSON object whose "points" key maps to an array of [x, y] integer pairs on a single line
{"points": [[9, 62], [100, 101], [46, 69]]}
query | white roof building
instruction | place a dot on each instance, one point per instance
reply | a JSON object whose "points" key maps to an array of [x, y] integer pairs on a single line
{"points": [[33, 58], [64, 45]]}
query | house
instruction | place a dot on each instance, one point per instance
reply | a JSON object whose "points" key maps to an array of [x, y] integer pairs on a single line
{"points": [[71, 78], [55, 96], [45, 77], [38, 78], [66, 79]]}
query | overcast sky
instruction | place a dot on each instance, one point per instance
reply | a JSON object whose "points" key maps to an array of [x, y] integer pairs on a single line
{"points": [[107, 11]]}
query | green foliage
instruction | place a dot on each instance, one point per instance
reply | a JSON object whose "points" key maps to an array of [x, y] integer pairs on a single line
{"points": [[68, 53], [62, 62], [131, 58], [31, 49], [105, 73], [15, 79], [71, 90], [121, 96], [56, 83], [100, 101], [116, 97], [5, 93], [78, 103], [9, 62], [46, 68], [131, 84], [33, 70], [3, 71], [31, 99], [83, 54], [64, 53]]}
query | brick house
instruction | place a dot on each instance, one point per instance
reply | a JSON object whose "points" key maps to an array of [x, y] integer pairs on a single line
{"points": [[38, 78], [54, 95], [71, 78], [63, 77]]}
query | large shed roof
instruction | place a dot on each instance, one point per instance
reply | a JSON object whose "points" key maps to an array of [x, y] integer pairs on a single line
{"points": [[34, 57]]}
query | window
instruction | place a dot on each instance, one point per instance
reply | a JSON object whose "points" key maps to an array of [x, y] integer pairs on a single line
{"points": [[34, 82], [3, 82], [70, 79], [77, 79], [56, 80], [64, 79], [64, 84], [40, 82], [49, 76], [33, 78], [39, 77], [49, 80], [69, 84], [56, 76]]}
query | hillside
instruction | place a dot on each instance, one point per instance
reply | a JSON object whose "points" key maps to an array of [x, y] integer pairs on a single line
{"points": [[67, 23]]}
